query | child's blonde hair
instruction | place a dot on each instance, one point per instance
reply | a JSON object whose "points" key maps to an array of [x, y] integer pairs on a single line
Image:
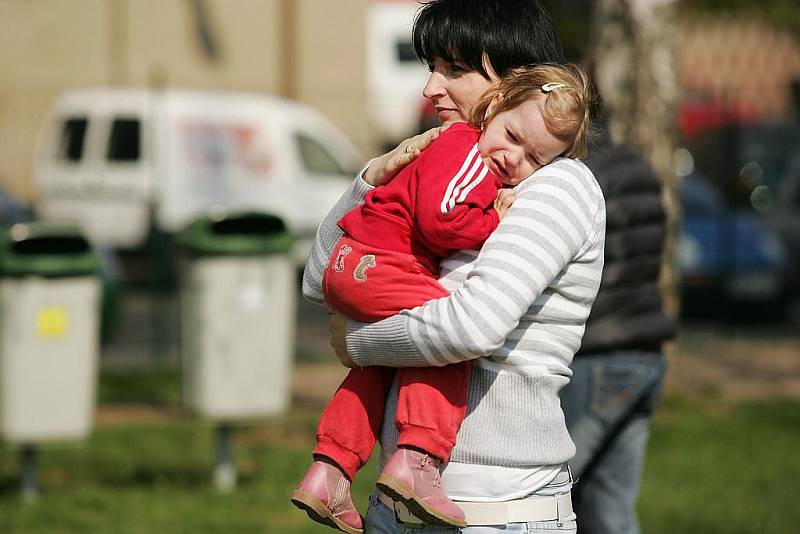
{"points": [[566, 110]]}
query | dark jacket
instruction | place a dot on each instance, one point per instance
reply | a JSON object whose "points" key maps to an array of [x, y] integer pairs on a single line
{"points": [[628, 312]]}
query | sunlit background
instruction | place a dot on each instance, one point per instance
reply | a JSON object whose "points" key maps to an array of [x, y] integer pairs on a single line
{"points": [[130, 119]]}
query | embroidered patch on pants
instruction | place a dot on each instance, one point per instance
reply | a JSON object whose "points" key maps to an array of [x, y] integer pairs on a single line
{"points": [[338, 263], [367, 262]]}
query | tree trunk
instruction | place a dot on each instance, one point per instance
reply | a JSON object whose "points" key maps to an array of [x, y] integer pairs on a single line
{"points": [[633, 49]]}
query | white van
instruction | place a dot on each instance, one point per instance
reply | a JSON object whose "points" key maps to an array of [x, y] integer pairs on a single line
{"points": [[118, 161]]}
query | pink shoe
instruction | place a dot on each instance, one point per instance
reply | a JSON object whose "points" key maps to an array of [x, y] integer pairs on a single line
{"points": [[412, 477], [324, 494]]}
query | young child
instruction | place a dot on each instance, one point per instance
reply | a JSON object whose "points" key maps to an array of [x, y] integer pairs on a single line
{"points": [[448, 199]]}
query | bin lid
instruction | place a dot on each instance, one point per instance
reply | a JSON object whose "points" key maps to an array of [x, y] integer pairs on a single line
{"points": [[236, 234], [46, 249]]}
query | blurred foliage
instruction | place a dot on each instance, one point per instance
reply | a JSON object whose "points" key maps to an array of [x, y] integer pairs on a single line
{"points": [[782, 14], [573, 18]]}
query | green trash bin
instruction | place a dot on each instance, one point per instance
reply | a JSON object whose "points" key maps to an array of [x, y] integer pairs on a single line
{"points": [[238, 305], [49, 333]]}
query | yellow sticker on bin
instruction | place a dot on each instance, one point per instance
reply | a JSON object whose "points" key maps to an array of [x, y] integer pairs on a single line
{"points": [[52, 322]]}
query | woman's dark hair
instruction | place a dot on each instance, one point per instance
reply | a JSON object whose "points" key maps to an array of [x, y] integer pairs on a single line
{"points": [[511, 33]]}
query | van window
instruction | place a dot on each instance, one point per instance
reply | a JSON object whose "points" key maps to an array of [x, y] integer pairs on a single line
{"points": [[316, 157], [124, 144], [73, 134], [405, 52]]}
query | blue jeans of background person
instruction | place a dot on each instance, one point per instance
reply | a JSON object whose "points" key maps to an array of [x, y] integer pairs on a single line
{"points": [[608, 405], [381, 520]]}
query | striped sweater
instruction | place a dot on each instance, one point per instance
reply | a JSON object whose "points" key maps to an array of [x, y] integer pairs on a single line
{"points": [[518, 307]]}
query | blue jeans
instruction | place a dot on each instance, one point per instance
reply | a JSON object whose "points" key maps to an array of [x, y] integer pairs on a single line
{"points": [[608, 405], [381, 519]]}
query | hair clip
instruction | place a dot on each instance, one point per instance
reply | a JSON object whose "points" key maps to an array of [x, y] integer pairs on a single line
{"points": [[552, 86]]}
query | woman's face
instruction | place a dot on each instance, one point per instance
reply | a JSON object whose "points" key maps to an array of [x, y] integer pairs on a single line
{"points": [[454, 88]]}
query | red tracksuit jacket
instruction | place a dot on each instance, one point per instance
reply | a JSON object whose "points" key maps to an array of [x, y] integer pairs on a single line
{"points": [[440, 203]]}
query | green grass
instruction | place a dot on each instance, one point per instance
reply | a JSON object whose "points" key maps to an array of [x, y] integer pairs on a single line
{"points": [[157, 478], [159, 385], [711, 468], [723, 468]]}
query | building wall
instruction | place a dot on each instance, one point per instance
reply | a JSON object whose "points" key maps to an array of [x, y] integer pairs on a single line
{"points": [[330, 57], [311, 50], [164, 48], [44, 48]]}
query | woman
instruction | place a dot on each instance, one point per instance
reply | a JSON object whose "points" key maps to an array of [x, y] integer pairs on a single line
{"points": [[523, 303]]}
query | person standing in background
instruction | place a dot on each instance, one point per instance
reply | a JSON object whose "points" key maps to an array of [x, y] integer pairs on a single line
{"points": [[619, 371]]}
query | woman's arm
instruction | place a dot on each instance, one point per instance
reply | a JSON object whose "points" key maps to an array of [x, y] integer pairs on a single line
{"points": [[327, 235], [378, 171], [557, 215]]}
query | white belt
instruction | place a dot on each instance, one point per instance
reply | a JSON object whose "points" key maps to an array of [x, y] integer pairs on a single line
{"points": [[539, 508]]}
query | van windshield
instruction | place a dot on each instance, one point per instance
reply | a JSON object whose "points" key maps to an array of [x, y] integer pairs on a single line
{"points": [[316, 158]]}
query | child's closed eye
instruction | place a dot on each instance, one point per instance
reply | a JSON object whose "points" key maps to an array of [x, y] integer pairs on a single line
{"points": [[535, 160]]}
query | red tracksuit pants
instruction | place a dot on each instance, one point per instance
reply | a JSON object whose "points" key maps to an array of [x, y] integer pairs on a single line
{"points": [[369, 284]]}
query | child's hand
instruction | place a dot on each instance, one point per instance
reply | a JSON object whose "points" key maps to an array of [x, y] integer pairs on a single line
{"points": [[505, 197]]}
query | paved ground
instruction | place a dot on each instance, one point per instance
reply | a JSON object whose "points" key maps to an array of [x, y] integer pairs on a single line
{"points": [[734, 363]]}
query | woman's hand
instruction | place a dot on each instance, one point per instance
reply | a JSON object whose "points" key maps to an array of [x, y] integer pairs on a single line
{"points": [[505, 198], [337, 326], [386, 167]]}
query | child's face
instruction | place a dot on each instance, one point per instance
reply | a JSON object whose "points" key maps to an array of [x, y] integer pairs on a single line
{"points": [[516, 142]]}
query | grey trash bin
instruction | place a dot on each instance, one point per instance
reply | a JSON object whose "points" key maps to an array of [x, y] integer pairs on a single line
{"points": [[238, 291], [49, 333]]}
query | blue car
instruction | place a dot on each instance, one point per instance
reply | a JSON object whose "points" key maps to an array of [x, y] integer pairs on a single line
{"points": [[727, 255]]}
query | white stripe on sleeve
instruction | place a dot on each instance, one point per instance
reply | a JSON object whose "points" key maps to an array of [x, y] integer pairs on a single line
{"points": [[462, 177]]}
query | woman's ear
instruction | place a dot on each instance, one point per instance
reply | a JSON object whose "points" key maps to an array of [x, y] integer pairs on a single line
{"points": [[493, 105], [487, 65]]}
